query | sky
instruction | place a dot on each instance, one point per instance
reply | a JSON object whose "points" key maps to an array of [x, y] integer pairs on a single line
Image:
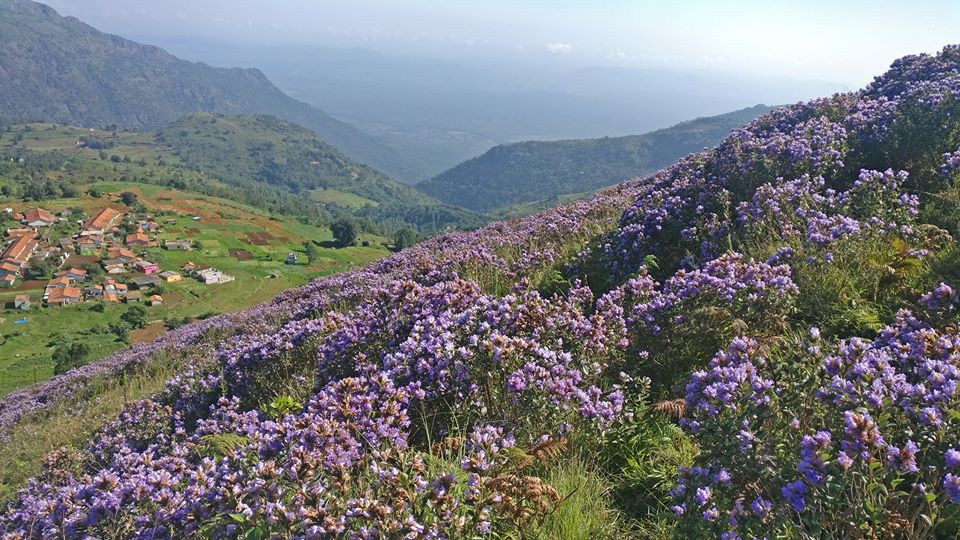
{"points": [[846, 42]]}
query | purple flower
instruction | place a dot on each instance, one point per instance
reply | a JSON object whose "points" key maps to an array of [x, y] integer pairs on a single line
{"points": [[795, 493], [951, 483], [761, 507], [952, 458]]}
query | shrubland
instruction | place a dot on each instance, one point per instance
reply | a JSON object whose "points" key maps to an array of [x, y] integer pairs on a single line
{"points": [[758, 341]]}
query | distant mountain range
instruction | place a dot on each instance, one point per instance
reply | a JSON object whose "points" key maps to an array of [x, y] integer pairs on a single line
{"points": [[60, 69], [531, 171]]}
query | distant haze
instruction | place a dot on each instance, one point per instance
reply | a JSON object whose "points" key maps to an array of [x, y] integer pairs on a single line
{"points": [[444, 81], [846, 41]]}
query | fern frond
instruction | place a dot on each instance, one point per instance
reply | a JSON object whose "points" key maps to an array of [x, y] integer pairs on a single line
{"points": [[674, 408]]}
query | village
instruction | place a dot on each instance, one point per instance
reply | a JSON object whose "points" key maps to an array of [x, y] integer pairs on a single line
{"points": [[101, 258]]}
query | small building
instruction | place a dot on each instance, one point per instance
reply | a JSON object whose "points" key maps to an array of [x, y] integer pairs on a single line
{"points": [[90, 244], [189, 267], [121, 254], [58, 283], [179, 245], [111, 298], [38, 217], [134, 297], [64, 296], [170, 276], [21, 232], [113, 268], [156, 300], [75, 274], [146, 267], [291, 258], [100, 222], [138, 239], [94, 291], [212, 276], [21, 302], [146, 282], [66, 244]]}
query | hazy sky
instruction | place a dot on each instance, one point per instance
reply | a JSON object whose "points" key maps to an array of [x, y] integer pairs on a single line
{"points": [[837, 40]]}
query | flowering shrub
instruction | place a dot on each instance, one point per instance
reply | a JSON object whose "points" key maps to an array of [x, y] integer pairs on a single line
{"points": [[431, 394], [869, 453]]}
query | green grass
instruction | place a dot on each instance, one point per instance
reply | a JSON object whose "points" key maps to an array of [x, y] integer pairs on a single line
{"points": [[585, 512], [341, 198], [71, 424], [25, 350]]}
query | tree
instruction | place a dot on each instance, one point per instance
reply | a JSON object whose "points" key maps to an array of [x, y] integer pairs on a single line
{"points": [[40, 268], [128, 198], [404, 238], [69, 356], [345, 232], [95, 193], [312, 253], [121, 331], [135, 317]]}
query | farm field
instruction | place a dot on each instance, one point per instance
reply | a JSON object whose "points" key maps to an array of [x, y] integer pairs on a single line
{"points": [[234, 238]]}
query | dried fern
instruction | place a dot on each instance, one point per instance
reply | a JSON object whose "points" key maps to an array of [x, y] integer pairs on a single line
{"points": [[674, 408]]}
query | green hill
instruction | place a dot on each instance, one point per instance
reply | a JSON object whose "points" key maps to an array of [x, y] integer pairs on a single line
{"points": [[60, 69], [525, 172], [246, 151]]}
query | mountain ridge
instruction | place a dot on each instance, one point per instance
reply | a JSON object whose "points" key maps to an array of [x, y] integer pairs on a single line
{"points": [[531, 171], [61, 69]]}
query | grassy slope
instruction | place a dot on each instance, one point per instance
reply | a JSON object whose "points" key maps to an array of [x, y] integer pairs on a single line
{"points": [[25, 353]]}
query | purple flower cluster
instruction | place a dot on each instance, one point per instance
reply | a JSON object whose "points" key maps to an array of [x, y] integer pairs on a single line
{"points": [[413, 379]]}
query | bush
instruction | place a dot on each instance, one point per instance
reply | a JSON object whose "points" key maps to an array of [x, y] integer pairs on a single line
{"points": [[345, 232], [69, 356]]}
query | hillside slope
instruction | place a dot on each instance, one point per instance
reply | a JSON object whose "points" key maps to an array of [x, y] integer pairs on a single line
{"points": [[60, 69], [532, 171], [249, 150], [760, 340]]}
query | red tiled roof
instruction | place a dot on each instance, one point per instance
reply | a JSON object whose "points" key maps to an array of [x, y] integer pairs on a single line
{"points": [[38, 214], [71, 292], [116, 252], [55, 282], [19, 250], [101, 219]]}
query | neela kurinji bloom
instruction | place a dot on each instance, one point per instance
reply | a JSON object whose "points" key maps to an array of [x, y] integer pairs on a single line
{"points": [[408, 329]]}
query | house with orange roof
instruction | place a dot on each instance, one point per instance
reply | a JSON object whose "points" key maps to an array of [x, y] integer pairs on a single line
{"points": [[138, 239], [38, 217], [20, 250], [90, 244], [14, 257], [59, 282], [122, 254], [156, 300], [76, 274], [21, 232], [62, 297], [100, 222]]}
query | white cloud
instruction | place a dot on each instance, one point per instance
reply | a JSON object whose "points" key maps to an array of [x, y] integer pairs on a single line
{"points": [[559, 48]]}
